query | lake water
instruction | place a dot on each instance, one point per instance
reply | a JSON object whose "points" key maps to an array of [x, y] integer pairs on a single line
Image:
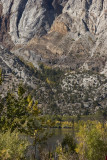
{"points": [[52, 142], [57, 137]]}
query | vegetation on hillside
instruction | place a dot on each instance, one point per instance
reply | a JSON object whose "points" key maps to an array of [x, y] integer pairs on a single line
{"points": [[88, 143], [12, 147], [20, 116]]}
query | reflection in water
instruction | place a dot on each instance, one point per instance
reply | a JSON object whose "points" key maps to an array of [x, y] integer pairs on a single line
{"points": [[58, 135], [51, 143]]}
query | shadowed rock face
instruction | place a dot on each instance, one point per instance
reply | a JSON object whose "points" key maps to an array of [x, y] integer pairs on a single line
{"points": [[66, 34], [70, 29], [5, 38], [88, 15], [28, 18]]}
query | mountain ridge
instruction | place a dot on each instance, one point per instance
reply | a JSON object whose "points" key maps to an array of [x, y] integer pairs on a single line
{"points": [[65, 37]]}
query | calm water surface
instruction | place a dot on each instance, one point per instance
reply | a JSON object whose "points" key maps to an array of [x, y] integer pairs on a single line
{"points": [[52, 142], [58, 135]]}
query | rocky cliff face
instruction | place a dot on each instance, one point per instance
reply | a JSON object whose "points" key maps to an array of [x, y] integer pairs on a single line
{"points": [[14, 71], [87, 15], [28, 18], [66, 34]]}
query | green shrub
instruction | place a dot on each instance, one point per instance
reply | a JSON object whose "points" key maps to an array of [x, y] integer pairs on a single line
{"points": [[68, 143], [12, 147], [92, 141]]}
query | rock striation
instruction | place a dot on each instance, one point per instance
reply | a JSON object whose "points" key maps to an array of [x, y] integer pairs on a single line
{"points": [[87, 15], [66, 34], [28, 18], [14, 71], [24, 19]]}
